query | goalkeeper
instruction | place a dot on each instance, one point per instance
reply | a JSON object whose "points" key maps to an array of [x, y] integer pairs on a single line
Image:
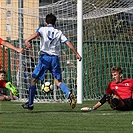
{"points": [[3, 83], [118, 94], [50, 41], [3, 91]]}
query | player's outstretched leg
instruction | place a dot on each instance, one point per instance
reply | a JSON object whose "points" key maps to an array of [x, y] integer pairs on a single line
{"points": [[68, 94], [12, 88]]}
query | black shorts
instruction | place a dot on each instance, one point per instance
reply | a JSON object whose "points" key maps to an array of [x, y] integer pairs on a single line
{"points": [[128, 105]]}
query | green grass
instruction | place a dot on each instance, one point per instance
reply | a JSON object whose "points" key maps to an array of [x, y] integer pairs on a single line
{"points": [[59, 118]]}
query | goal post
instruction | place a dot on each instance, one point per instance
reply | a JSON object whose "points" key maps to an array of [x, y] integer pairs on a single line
{"points": [[79, 49]]}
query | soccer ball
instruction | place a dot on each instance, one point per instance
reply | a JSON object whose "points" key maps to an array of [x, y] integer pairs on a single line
{"points": [[47, 87]]}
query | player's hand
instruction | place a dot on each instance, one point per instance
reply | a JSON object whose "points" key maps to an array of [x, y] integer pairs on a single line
{"points": [[20, 50], [87, 109], [79, 57], [28, 44]]}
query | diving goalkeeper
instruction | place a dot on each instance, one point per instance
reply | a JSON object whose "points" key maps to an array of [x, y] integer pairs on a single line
{"points": [[118, 94]]}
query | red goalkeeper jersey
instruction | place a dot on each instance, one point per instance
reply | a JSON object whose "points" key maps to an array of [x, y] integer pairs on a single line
{"points": [[123, 89], [1, 40]]}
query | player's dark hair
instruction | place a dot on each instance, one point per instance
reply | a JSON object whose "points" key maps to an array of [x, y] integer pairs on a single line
{"points": [[116, 69], [2, 71], [51, 19]]}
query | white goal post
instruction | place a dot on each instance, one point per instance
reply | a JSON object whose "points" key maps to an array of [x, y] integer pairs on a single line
{"points": [[79, 49]]}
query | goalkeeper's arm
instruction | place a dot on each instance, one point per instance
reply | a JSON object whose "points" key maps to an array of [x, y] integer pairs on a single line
{"points": [[97, 105], [101, 102]]}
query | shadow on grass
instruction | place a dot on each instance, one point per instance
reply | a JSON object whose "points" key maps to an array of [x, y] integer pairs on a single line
{"points": [[40, 111]]}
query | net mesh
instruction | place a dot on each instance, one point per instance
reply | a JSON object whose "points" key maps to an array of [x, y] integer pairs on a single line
{"points": [[107, 41]]}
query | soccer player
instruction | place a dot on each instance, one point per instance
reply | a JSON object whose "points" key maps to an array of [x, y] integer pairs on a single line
{"points": [[50, 40], [3, 83], [118, 94], [3, 91]]}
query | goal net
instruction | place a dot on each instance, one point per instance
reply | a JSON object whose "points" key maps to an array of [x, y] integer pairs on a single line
{"points": [[107, 42]]}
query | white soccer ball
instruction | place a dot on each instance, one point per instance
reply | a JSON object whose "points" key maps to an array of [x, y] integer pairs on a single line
{"points": [[47, 87]]}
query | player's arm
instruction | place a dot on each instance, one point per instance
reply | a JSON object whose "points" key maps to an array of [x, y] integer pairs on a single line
{"points": [[98, 104], [33, 36], [105, 98], [102, 101], [9, 45], [70, 45]]}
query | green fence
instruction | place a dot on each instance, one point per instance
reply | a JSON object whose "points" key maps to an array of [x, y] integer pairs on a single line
{"points": [[98, 59]]}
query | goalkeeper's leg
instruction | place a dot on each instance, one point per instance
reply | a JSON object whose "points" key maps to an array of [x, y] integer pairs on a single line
{"points": [[116, 103]]}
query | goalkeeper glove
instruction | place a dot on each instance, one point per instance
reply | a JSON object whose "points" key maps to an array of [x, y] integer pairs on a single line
{"points": [[87, 108], [10, 87]]}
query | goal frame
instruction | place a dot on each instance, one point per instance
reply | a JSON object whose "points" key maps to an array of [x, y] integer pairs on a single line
{"points": [[79, 49]]}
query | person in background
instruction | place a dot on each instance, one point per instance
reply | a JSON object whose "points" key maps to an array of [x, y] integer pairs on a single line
{"points": [[50, 41], [118, 94], [4, 91]]}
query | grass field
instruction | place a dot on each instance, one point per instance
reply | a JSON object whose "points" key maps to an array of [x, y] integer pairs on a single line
{"points": [[59, 118]]}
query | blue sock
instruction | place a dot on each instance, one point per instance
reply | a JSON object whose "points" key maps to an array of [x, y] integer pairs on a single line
{"points": [[32, 91], [65, 89]]}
